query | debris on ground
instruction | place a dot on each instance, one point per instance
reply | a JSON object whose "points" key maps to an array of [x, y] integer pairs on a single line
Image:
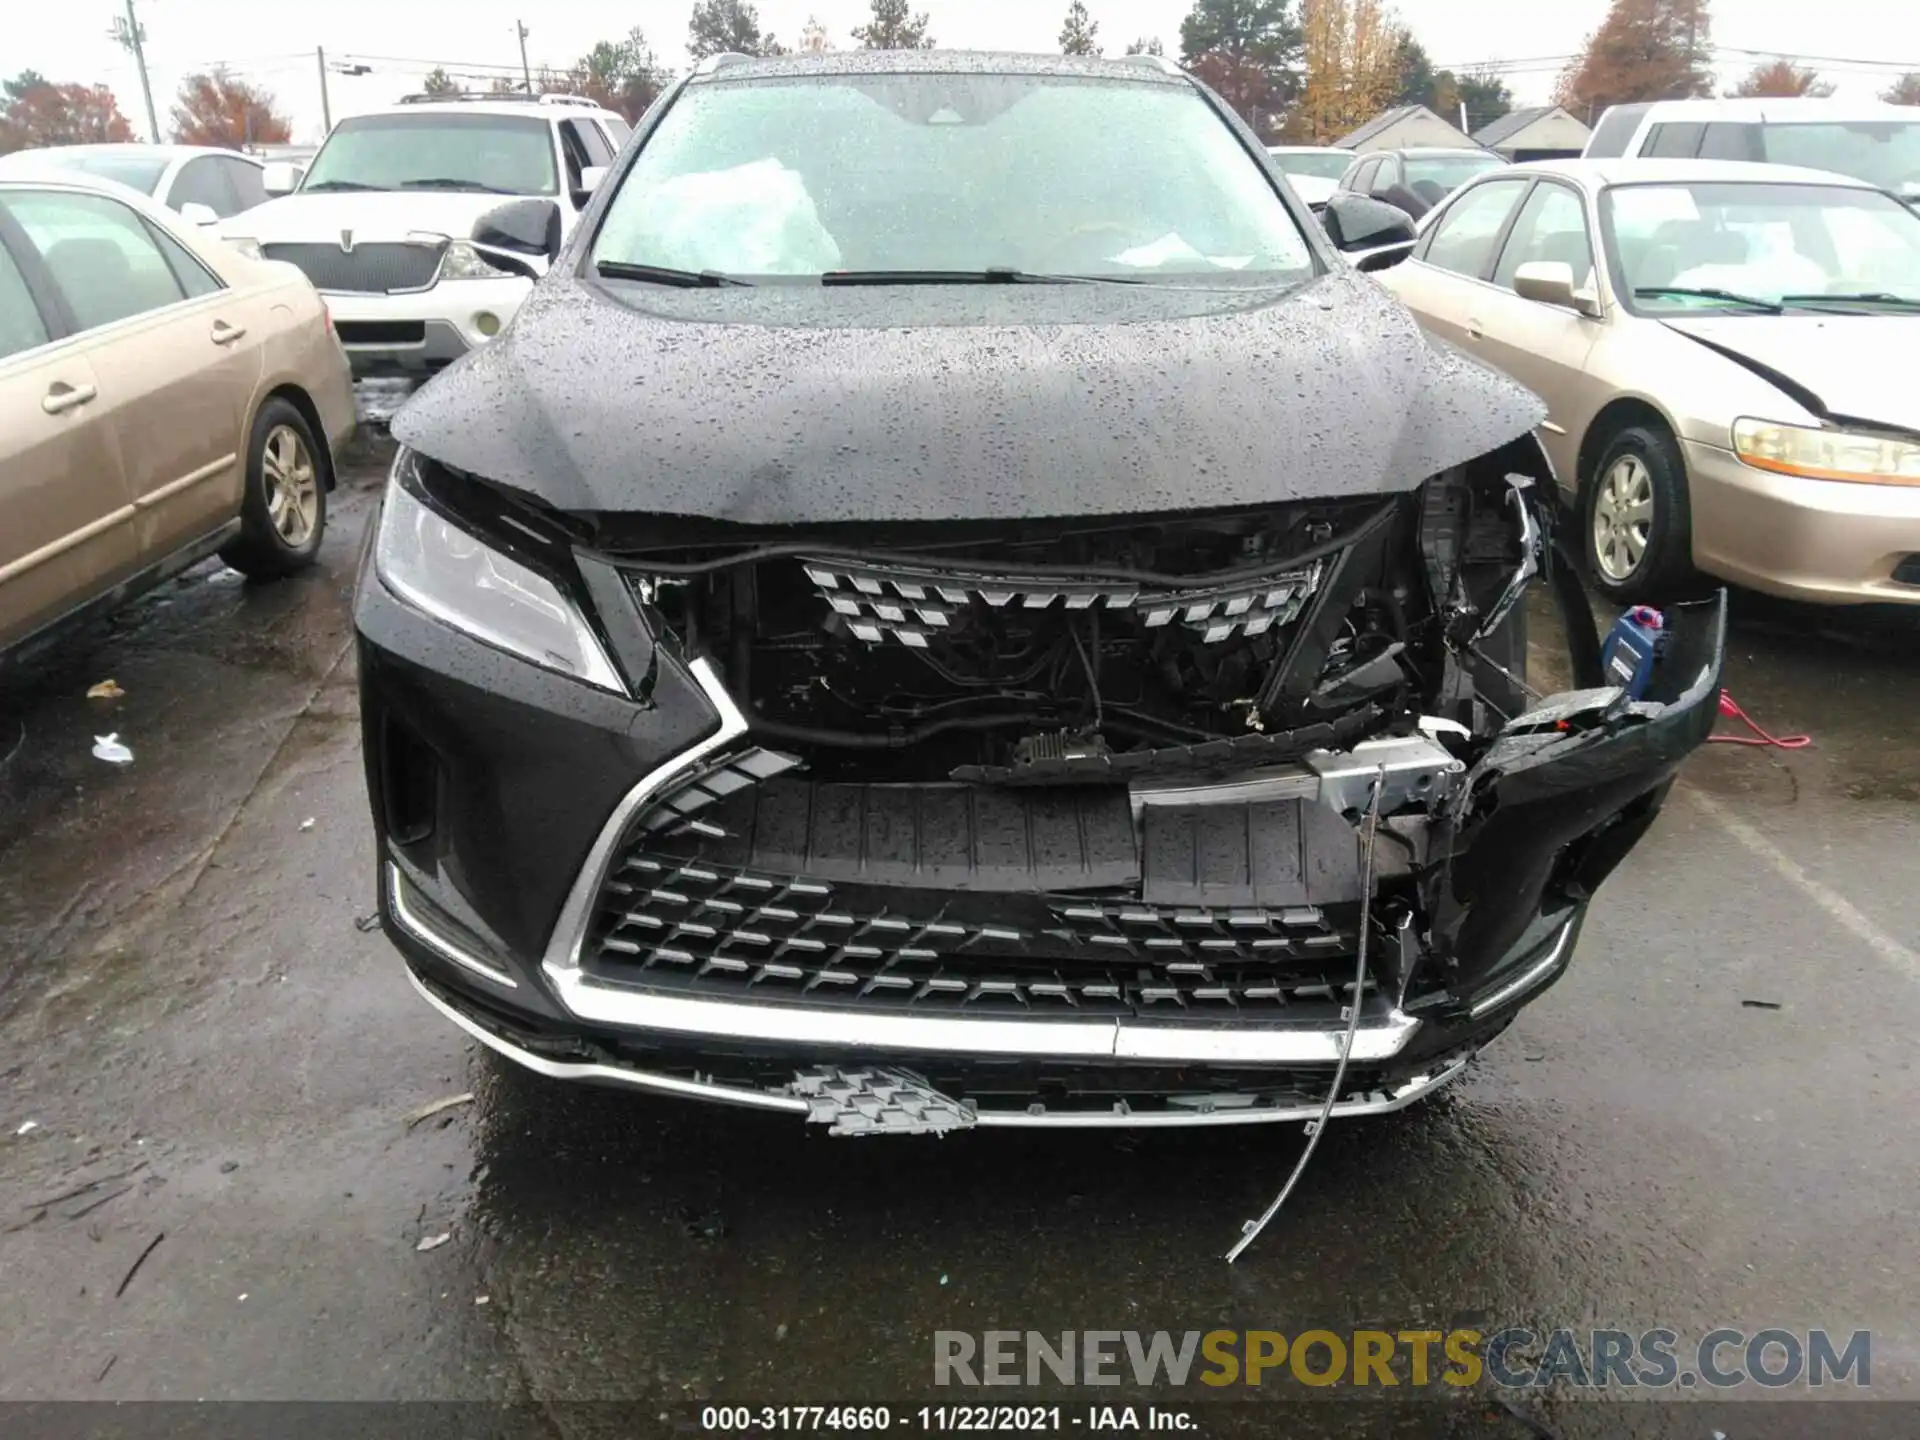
{"points": [[227, 1167], [138, 1261], [27, 1127], [307, 824], [17, 746], [481, 1299], [367, 923], [104, 1368], [427, 1112], [109, 749], [434, 1242], [105, 690], [1761, 1004], [83, 1188], [93, 1203]]}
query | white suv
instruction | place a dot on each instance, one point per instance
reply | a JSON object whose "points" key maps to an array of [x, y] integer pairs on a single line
{"points": [[381, 218], [1867, 139]]}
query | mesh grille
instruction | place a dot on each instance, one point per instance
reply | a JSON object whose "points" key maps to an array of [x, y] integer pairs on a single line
{"points": [[914, 606], [724, 931], [373, 269]]}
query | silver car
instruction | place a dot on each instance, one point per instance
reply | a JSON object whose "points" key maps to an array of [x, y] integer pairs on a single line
{"points": [[1726, 352]]}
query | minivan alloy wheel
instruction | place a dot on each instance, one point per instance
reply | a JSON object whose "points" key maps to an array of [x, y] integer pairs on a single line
{"points": [[293, 485], [1622, 517]]}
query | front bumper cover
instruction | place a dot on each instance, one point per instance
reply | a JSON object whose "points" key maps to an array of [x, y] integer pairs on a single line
{"points": [[493, 908]]}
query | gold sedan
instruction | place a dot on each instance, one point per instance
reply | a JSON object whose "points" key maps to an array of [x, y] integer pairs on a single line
{"points": [[1726, 353], [162, 398]]}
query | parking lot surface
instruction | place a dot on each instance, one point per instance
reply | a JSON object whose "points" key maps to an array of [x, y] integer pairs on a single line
{"points": [[1707, 1123]]}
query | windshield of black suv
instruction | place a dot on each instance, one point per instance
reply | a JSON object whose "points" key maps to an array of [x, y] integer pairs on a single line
{"points": [[949, 173], [1883, 152], [432, 150]]}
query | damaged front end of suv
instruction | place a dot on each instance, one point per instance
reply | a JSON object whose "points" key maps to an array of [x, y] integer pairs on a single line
{"points": [[964, 761]]}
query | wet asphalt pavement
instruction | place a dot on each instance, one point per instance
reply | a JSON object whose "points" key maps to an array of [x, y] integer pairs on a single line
{"points": [[186, 1003]]}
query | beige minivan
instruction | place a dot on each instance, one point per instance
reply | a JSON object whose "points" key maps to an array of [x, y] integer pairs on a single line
{"points": [[162, 399]]}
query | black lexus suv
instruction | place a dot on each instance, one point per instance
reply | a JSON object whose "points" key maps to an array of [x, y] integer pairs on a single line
{"points": [[954, 604]]}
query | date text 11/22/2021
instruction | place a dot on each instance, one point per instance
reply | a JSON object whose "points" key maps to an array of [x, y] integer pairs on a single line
{"points": [[944, 1419]]}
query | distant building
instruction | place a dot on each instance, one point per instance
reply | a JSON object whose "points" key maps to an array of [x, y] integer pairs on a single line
{"points": [[1407, 127], [1546, 132]]}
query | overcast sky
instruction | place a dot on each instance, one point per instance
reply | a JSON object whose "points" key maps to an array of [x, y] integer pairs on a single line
{"points": [[274, 43]]}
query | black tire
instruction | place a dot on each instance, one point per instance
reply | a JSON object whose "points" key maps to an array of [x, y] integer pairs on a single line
{"points": [[1639, 466], [279, 536]]}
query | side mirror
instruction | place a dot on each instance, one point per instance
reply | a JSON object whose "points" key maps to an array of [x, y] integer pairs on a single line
{"points": [[1359, 222], [194, 213], [282, 177], [1550, 282], [522, 236]]}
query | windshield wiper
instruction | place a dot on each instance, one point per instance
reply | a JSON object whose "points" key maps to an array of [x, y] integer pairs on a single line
{"points": [[1864, 297], [662, 275], [992, 275], [311, 186], [1772, 307], [447, 182]]}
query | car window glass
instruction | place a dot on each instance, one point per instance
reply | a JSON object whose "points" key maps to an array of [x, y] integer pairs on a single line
{"points": [[193, 276], [249, 189], [617, 130], [902, 172], [100, 253], [1463, 239], [434, 150], [1681, 141], [21, 327], [1759, 239], [1726, 140], [591, 141], [574, 151], [202, 182], [1386, 174], [1551, 226], [1363, 177], [1615, 131]]}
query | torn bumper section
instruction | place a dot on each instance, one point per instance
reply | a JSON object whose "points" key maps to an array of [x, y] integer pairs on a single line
{"points": [[727, 889]]}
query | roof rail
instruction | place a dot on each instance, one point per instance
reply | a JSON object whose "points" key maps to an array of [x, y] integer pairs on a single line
{"points": [[1156, 62], [719, 62], [491, 97]]}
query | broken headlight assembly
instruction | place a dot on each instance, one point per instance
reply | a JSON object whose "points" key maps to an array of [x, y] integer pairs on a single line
{"points": [[440, 567]]}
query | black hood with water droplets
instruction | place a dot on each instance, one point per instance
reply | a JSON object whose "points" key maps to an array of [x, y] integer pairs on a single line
{"points": [[788, 405]]}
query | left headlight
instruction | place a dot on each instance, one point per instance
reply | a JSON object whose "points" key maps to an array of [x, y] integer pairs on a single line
{"points": [[454, 576], [1827, 454], [463, 262]]}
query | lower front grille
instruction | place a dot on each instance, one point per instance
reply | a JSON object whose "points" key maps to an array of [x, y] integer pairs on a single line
{"points": [[379, 268], [698, 928], [381, 332]]}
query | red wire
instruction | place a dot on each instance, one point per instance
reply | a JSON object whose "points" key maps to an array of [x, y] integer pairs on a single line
{"points": [[1731, 708]]}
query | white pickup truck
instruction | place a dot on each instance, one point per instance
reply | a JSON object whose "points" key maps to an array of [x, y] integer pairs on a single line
{"points": [[379, 222]]}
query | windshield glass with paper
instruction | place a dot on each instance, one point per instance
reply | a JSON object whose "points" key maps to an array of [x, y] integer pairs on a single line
{"points": [[905, 174]]}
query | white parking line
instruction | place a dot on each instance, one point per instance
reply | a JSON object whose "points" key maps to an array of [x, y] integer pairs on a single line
{"points": [[1828, 899]]}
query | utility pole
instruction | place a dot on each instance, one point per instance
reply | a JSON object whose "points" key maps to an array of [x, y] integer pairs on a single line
{"points": [[326, 109], [130, 36], [526, 71]]}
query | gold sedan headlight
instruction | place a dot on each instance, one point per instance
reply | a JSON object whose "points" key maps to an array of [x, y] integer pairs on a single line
{"points": [[1827, 454]]}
